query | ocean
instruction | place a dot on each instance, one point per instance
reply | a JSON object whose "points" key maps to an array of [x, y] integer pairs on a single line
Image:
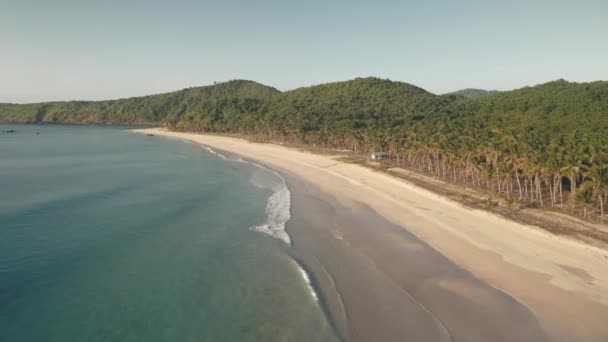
{"points": [[107, 235]]}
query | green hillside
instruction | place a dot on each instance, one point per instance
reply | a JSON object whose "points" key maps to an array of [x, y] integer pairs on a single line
{"points": [[472, 92], [546, 144], [147, 109]]}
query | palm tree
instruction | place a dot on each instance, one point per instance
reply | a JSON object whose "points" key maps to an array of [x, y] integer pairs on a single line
{"points": [[572, 171], [597, 176], [512, 163], [573, 158], [586, 197]]}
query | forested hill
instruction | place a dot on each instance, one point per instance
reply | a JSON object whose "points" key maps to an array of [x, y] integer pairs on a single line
{"points": [[563, 106], [472, 92], [363, 103], [539, 142], [365, 113], [146, 109]]}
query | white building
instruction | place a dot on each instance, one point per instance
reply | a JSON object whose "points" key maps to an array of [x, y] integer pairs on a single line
{"points": [[379, 155]]}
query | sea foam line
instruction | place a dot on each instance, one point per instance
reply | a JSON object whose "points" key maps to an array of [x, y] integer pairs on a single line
{"points": [[210, 150], [278, 207], [306, 278], [278, 210]]}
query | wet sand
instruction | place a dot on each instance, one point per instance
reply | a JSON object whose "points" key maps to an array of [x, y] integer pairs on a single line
{"points": [[381, 283], [397, 262]]}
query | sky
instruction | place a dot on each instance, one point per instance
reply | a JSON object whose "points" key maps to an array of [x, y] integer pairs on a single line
{"points": [[92, 50]]}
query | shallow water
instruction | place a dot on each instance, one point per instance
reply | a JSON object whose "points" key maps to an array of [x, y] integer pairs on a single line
{"points": [[108, 235]]}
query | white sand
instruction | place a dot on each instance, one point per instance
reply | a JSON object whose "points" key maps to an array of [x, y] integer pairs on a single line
{"points": [[553, 275]]}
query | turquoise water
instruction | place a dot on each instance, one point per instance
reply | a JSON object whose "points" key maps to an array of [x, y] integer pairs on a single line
{"points": [[107, 235]]}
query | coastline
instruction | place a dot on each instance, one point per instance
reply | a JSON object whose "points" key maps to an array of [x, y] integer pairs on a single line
{"points": [[551, 276], [384, 284]]}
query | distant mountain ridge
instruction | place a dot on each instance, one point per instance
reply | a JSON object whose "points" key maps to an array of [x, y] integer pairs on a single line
{"points": [[363, 102], [472, 92]]}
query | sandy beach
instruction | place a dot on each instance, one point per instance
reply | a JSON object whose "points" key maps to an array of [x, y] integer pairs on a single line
{"points": [[397, 262]]}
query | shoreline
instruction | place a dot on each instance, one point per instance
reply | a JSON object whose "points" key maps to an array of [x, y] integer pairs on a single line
{"points": [[550, 275], [385, 284]]}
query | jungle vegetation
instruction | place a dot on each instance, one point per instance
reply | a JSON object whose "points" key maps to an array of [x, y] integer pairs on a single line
{"points": [[545, 145], [472, 92]]}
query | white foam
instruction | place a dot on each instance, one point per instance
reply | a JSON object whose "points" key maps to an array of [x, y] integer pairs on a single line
{"points": [[306, 278], [277, 214], [278, 210], [278, 206], [210, 150]]}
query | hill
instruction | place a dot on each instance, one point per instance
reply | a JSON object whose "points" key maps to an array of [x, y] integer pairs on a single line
{"points": [[147, 109], [337, 112], [534, 143], [472, 92]]}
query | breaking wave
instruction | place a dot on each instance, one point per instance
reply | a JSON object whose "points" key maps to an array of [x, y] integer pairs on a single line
{"points": [[306, 278], [278, 206], [278, 209], [210, 150]]}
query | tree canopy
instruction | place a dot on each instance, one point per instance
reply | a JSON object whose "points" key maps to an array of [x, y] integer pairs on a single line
{"points": [[472, 92]]}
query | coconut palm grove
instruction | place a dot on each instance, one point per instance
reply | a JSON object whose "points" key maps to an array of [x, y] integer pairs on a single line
{"points": [[545, 145]]}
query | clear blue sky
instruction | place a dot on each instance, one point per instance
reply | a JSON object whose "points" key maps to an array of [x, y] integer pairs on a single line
{"points": [[63, 49]]}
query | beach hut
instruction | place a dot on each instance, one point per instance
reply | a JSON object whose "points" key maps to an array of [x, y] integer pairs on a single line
{"points": [[379, 155]]}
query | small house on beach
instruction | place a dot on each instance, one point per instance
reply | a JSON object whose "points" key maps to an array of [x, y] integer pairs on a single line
{"points": [[379, 155]]}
